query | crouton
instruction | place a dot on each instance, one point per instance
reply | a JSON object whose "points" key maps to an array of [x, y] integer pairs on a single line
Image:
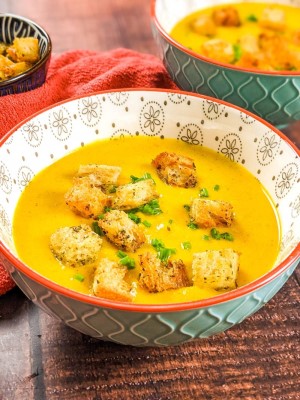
{"points": [[85, 199], [218, 49], [215, 269], [273, 18], [24, 49], [104, 174], [109, 281], [76, 246], [211, 213], [157, 276], [226, 16], [122, 231], [204, 25], [176, 170], [134, 195]]}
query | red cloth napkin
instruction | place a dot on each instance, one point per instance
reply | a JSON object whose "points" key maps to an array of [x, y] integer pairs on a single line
{"points": [[77, 73]]}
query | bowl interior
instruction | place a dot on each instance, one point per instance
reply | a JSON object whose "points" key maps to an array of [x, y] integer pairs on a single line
{"points": [[198, 120]]}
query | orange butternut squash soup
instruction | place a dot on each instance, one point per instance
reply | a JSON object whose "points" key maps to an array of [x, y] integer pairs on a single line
{"points": [[173, 223], [264, 36]]}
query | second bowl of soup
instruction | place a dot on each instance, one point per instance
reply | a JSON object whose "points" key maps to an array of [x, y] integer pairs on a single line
{"points": [[247, 53]]}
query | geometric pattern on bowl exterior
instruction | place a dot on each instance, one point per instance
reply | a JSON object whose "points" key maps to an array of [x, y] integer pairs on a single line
{"points": [[12, 26], [194, 119], [273, 97], [142, 328]]}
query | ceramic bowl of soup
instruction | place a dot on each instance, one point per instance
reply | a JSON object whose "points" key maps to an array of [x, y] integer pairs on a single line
{"points": [[149, 290], [25, 51], [246, 53]]}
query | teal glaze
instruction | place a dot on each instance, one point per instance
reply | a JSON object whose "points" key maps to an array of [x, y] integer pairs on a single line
{"points": [[148, 329], [275, 98]]}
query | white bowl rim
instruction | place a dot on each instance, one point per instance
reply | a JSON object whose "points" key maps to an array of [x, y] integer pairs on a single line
{"points": [[170, 307], [210, 60]]}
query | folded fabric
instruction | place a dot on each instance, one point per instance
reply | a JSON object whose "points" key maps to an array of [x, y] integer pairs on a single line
{"points": [[82, 72]]}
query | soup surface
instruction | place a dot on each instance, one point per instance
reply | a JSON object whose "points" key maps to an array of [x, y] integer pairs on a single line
{"points": [[255, 230], [250, 35]]}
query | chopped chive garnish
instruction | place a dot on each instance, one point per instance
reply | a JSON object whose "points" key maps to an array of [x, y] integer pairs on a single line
{"points": [[203, 192], [96, 228], [217, 235], [186, 245], [134, 217], [216, 188], [206, 237], [112, 189], [126, 260], [146, 223], [121, 254], [252, 18], [79, 277], [192, 225], [162, 252], [151, 208], [146, 175], [187, 207], [237, 52], [106, 209], [171, 221]]}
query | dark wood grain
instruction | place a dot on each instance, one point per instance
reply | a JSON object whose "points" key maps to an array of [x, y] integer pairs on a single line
{"points": [[40, 358]]}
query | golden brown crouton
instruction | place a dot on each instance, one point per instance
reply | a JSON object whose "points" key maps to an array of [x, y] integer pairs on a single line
{"points": [[176, 170], [211, 213], [218, 49], [104, 174], [134, 195], [122, 231], [226, 16], [109, 281], [215, 269], [86, 199], [273, 18], [204, 25], [76, 246], [24, 49], [157, 276]]}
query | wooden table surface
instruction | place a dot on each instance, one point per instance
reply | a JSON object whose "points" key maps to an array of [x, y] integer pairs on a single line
{"points": [[41, 358]]}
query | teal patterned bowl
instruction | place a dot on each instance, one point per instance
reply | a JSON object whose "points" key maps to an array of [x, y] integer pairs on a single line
{"points": [[49, 135], [274, 96]]}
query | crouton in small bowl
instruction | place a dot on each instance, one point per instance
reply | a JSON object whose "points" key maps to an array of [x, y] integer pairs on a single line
{"points": [[25, 51], [245, 53], [149, 217]]}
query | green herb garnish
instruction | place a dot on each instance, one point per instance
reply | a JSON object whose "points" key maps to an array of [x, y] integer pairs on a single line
{"points": [[146, 176], [134, 217], [126, 260], [192, 225], [151, 208], [187, 207], [79, 277], [237, 52], [252, 18], [146, 223], [186, 245], [216, 188], [206, 237], [203, 192], [162, 252], [217, 235], [96, 228]]}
